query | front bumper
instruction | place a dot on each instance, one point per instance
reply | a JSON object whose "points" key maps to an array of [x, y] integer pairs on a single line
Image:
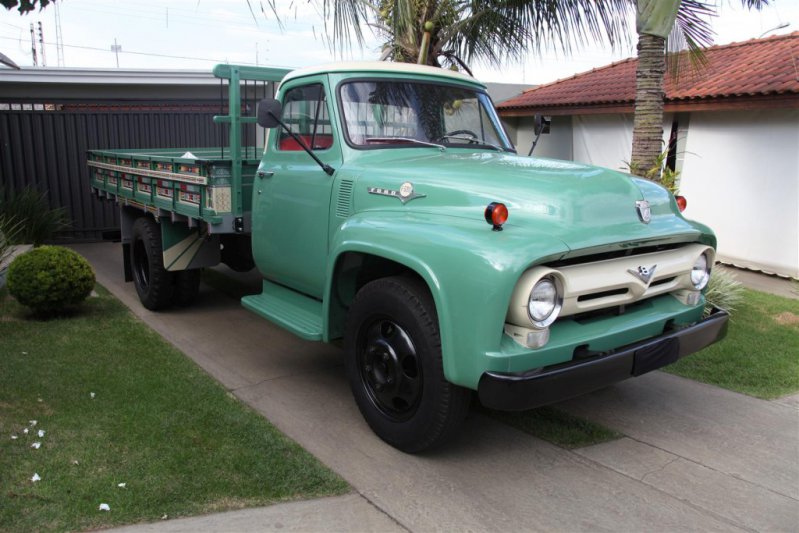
{"points": [[520, 391]]}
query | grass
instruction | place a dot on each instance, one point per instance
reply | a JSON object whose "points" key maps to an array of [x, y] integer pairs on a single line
{"points": [[556, 426], [180, 442], [759, 356]]}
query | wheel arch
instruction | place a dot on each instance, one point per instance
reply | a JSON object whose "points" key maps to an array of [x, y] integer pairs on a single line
{"points": [[354, 267]]}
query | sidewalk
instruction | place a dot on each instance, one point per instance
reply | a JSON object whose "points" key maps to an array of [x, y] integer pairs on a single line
{"points": [[343, 513], [695, 458], [759, 281]]}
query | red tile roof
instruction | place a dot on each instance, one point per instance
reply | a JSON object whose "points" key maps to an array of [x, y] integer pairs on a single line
{"points": [[758, 67]]}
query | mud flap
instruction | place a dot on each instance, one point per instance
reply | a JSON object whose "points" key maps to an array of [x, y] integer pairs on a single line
{"points": [[188, 248]]}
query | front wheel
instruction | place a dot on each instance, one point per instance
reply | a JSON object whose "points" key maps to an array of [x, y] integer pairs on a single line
{"points": [[395, 369]]}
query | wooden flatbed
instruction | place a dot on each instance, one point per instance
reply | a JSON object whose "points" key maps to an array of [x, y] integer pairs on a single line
{"points": [[195, 183], [207, 188]]}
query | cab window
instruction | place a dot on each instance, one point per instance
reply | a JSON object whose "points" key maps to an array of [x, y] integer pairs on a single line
{"points": [[305, 113]]}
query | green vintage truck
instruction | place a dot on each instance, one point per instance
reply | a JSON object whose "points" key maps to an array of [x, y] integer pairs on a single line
{"points": [[388, 209]]}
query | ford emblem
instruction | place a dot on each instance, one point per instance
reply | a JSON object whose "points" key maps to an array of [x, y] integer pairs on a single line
{"points": [[644, 213]]}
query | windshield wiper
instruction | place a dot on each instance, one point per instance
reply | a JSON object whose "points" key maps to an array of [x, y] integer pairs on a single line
{"points": [[473, 140], [407, 139]]}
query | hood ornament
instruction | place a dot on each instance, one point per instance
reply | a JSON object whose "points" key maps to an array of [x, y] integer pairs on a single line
{"points": [[405, 194], [643, 273], [644, 212]]}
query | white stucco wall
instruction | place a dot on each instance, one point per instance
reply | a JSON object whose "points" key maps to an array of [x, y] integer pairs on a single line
{"points": [[741, 177], [556, 144], [603, 140], [740, 174], [607, 140]]}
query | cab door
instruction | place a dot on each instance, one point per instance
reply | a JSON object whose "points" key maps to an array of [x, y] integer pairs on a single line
{"points": [[291, 200]]}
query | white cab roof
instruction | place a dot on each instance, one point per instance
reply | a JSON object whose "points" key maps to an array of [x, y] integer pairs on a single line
{"points": [[381, 66]]}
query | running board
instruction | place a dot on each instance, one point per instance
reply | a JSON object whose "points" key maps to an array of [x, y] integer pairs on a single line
{"points": [[297, 313]]}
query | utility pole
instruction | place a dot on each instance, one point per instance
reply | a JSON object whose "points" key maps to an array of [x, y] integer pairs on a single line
{"points": [[33, 47], [41, 44], [116, 48], [59, 38]]}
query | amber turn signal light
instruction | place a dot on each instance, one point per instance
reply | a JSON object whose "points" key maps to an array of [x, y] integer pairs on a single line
{"points": [[682, 203], [496, 214]]}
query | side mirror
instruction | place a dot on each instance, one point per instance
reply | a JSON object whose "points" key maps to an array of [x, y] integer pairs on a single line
{"points": [[542, 124], [269, 111]]}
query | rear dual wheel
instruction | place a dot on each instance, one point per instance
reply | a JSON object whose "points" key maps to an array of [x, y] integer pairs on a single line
{"points": [[395, 368], [156, 287]]}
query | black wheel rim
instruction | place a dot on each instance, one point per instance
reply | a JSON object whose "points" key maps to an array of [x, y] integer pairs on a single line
{"points": [[141, 266], [390, 370]]}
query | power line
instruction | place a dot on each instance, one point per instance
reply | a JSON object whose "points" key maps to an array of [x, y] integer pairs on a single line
{"points": [[187, 19], [151, 54], [12, 25], [59, 36]]}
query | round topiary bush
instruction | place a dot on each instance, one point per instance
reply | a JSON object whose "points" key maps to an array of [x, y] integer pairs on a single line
{"points": [[50, 279]]}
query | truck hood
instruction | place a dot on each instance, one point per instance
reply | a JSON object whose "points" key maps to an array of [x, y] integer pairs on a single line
{"points": [[586, 207]]}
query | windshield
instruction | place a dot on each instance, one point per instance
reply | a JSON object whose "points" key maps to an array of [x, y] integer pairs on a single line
{"points": [[392, 113]]}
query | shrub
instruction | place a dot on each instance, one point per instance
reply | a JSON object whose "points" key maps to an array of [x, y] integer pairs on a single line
{"points": [[659, 173], [30, 208], [723, 291], [8, 230], [7, 233], [50, 279]]}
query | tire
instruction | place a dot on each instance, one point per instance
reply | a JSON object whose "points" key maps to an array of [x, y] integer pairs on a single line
{"points": [[394, 366], [187, 286], [154, 284]]}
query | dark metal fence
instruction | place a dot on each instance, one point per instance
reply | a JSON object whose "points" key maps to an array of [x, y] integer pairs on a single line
{"points": [[45, 147]]}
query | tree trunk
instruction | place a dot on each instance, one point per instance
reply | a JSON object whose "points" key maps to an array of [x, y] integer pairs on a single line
{"points": [[649, 96]]}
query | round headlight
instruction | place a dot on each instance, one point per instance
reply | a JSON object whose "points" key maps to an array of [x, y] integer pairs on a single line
{"points": [[545, 302], [700, 273]]}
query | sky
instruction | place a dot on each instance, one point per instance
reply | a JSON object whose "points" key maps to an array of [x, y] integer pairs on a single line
{"points": [[197, 34]]}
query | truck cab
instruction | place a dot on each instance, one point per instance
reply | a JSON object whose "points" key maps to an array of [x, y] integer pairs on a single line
{"points": [[447, 263]]}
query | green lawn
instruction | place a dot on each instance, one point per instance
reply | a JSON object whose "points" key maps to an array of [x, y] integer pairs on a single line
{"points": [[759, 356], [181, 443]]}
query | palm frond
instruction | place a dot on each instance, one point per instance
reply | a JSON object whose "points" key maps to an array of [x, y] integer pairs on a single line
{"points": [[693, 32], [347, 17], [273, 9], [561, 23], [489, 30], [252, 12], [755, 4]]}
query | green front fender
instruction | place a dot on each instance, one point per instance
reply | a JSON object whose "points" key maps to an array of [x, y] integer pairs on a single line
{"points": [[470, 270]]}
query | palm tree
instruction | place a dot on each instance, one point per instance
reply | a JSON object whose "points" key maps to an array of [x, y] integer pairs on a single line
{"points": [[491, 31], [24, 6], [683, 23], [496, 30]]}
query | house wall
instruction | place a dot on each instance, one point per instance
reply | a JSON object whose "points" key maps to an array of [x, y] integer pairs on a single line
{"points": [[739, 172], [556, 144], [607, 140], [603, 140], [741, 177]]}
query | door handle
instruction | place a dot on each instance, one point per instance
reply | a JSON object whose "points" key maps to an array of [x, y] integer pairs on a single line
{"points": [[265, 174]]}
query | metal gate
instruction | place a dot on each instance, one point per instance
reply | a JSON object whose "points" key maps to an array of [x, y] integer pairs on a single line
{"points": [[44, 146]]}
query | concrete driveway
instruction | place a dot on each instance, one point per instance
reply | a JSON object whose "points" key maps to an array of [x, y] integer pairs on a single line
{"points": [[695, 457]]}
